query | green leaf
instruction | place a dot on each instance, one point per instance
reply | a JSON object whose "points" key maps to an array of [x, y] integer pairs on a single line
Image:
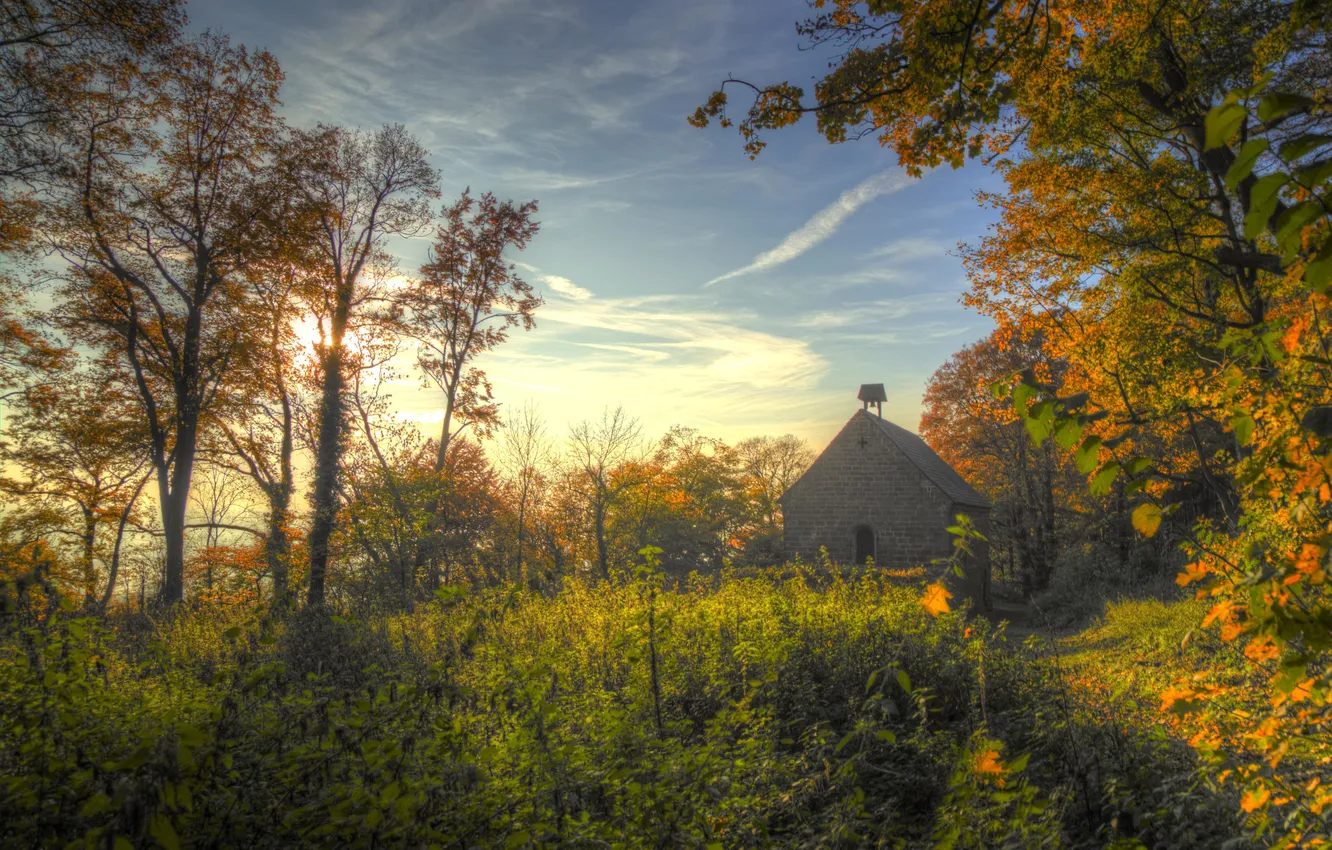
{"points": [[1019, 764], [1243, 426], [1318, 273], [1315, 175], [904, 680], [96, 804], [1147, 519], [1222, 122], [1243, 165], [1290, 226], [886, 735], [1301, 145], [1039, 421], [232, 633], [1067, 432], [123, 843], [1279, 103], [1088, 454], [1021, 395], [161, 829], [517, 839], [870, 684], [1101, 483], [1137, 465], [1262, 202], [1290, 677], [846, 739]]}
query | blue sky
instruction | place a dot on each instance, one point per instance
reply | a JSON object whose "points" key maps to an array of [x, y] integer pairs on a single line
{"points": [[681, 279]]}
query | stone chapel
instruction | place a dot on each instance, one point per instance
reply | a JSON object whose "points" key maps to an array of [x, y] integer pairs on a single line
{"points": [[878, 491]]}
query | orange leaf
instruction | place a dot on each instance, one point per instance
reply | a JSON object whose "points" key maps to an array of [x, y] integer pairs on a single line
{"points": [[936, 599], [1254, 798], [988, 762]]}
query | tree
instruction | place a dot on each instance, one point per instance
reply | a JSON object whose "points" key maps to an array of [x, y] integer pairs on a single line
{"points": [[172, 202], [76, 447], [529, 459], [395, 497], [257, 418], [464, 303], [1037, 493], [770, 465], [218, 497], [54, 53], [366, 188], [56, 57], [597, 450], [686, 500], [387, 476]]}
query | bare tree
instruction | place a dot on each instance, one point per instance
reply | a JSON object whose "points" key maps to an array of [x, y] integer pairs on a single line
{"points": [[599, 450], [218, 497], [771, 465], [528, 457], [367, 188]]}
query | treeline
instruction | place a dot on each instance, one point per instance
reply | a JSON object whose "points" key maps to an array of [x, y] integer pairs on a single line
{"points": [[1051, 536], [203, 310]]}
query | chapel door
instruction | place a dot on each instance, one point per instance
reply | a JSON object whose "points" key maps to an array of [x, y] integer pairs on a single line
{"points": [[864, 544]]}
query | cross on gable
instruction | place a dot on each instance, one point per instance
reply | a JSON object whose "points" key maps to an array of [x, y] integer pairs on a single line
{"points": [[863, 442]]}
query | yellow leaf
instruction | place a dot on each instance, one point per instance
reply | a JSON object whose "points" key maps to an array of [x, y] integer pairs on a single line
{"points": [[1147, 518], [936, 599]]}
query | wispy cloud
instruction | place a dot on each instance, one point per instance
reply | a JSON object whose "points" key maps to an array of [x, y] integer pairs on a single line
{"points": [[566, 287], [880, 312], [824, 223], [911, 249]]}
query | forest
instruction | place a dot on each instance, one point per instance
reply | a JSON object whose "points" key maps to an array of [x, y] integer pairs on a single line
{"points": [[243, 603]]}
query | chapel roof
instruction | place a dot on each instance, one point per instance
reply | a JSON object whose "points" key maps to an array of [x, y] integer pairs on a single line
{"points": [[929, 463]]}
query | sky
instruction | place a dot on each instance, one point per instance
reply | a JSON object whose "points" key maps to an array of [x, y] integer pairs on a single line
{"points": [[681, 280]]}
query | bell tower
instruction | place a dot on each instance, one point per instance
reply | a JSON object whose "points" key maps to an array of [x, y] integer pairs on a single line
{"points": [[873, 394]]}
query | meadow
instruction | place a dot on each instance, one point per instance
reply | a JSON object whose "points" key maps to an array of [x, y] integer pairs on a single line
{"points": [[793, 707]]}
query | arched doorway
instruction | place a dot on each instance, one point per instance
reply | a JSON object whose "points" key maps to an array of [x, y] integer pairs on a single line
{"points": [[864, 544]]}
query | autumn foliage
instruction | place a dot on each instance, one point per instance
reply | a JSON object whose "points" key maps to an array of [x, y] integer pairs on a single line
{"points": [[1164, 238]]}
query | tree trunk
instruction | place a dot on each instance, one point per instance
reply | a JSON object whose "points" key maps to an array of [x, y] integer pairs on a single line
{"points": [[445, 434], [277, 546], [326, 457], [89, 538], [599, 523], [329, 448], [114, 569], [522, 513], [173, 535]]}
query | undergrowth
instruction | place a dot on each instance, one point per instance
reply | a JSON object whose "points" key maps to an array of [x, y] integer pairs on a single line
{"points": [[772, 710]]}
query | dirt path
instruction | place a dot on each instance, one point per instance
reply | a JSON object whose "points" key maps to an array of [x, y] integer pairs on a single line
{"points": [[1022, 619]]}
